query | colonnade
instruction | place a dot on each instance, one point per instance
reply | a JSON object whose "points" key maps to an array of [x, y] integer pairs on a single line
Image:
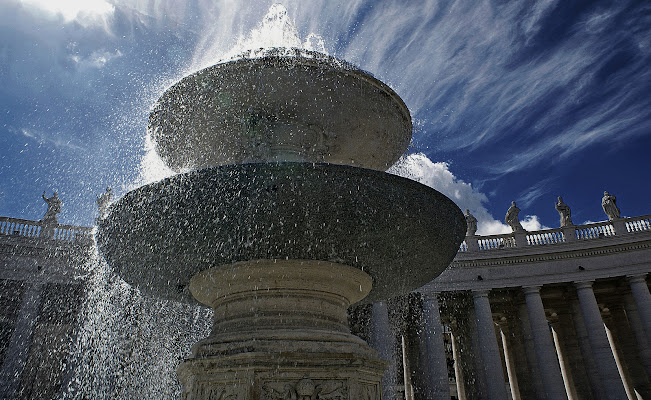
{"points": [[574, 340]]}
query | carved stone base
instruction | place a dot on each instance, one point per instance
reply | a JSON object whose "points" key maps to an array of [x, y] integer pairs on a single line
{"points": [[295, 377], [280, 332]]}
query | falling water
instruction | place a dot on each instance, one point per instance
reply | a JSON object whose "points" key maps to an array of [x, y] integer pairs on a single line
{"points": [[276, 30], [129, 345]]}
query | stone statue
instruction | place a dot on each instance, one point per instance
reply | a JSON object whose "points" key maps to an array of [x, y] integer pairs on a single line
{"points": [[471, 223], [608, 203], [512, 219], [53, 208], [103, 201], [565, 212]]}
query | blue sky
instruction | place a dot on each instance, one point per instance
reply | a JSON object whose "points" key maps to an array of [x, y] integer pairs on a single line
{"points": [[512, 100]]}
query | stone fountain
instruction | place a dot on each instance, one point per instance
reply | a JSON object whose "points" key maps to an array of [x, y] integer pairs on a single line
{"points": [[285, 219]]}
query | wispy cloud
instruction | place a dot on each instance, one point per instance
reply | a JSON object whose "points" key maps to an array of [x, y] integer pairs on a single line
{"points": [[529, 196], [484, 79], [482, 74]]}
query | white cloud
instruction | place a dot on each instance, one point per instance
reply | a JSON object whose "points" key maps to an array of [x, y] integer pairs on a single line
{"points": [[531, 223], [437, 175], [85, 12]]}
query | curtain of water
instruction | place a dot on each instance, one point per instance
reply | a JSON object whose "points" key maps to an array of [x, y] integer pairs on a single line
{"points": [[129, 345]]}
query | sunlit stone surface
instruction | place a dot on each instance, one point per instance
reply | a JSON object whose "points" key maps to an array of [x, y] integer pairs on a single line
{"points": [[273, 235], [280, 106]]}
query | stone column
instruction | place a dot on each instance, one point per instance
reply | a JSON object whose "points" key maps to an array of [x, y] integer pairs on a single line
{"points": [[19, 345], [517, 353], [530, 351], [508, 360], [492, 363], [596, 386], [571, 350], [640, 292], [566, 371], [635, 322], [545, 353], [434, 366], [617, 354], [458, 371], [383, 340], [406, 370], [624, 341], [603, 354], [476, 386]]}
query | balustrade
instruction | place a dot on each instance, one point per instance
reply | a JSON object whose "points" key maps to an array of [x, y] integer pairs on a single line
{"points": [[33, 229], [19, 227], [557, 235], [495, 242], [638, 224], [549, 236], [595, 230]]}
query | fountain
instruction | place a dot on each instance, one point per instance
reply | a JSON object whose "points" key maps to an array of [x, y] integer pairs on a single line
{"points": [[285, 219]]}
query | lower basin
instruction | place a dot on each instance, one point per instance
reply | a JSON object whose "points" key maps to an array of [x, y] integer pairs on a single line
{"points": [[400, 232]]}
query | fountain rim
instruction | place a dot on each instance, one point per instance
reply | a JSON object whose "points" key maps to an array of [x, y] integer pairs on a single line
{"points": [[341, 114], [299, 57], [162, 192]]}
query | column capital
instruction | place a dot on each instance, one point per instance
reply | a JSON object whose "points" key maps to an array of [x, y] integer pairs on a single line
{"points": [[637, 278], [531, 289], [480, 293], [583, 284]]}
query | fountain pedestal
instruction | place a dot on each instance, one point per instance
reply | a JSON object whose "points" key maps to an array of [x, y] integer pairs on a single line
{"points": [[281, 332]]}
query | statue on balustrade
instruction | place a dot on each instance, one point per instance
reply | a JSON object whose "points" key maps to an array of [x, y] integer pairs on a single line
{"points": [[565, 212], [53, 208], [103, 201], [608, 203], [512, 218], [471, 223]]}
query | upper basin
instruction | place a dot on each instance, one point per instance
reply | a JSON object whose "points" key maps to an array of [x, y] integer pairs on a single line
{"points": [[286, 105], [400, 232]]}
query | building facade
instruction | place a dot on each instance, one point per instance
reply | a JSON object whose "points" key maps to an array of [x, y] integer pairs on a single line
{"points": [[555, 314], [42, 286]]}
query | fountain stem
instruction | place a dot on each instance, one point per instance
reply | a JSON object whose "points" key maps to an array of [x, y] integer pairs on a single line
{"points": [[280, 325]]}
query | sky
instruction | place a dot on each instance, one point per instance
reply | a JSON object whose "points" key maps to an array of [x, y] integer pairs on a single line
{"points": [[511, 100]]}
